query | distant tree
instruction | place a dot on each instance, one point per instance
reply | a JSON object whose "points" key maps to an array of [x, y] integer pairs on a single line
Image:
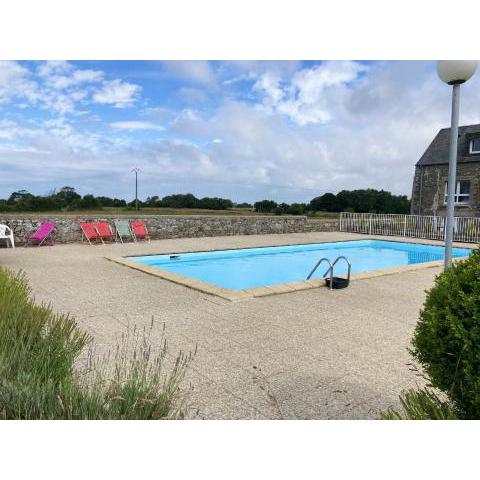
{"points": [[4, 206], [89, 202], [152, 201], [325, 203], [132, 204], [179, 201], [111, 202], [343, 201], [17, 197], [66, 196], [281, 209], [362, 201], [366, 200], [243, 205], [119, 202], [402, 205], [265, 206], [214, 203], [297, 209], [190, 201]]}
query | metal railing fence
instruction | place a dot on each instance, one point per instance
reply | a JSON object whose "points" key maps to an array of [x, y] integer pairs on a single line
{"points": [[466, 229]]}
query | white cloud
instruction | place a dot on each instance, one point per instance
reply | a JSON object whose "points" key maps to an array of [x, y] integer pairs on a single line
{"points": [[54, 67], [136, 125], [117, 93], [305, 99], [194, 71], [11, 130], [344, 131], [77, 77], [269, 85], [238, 70], [295, 135], [15, 82], [60, 87]]}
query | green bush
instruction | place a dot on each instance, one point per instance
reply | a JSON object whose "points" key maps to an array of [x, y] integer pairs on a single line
{"points": [[421, 405], [40, 377], [447, 337]]}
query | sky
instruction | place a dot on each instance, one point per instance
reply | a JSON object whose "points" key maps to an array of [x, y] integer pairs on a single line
{"points": [[244, 130]]}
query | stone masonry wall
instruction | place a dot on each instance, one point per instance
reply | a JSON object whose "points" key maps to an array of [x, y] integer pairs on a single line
{"points": [[430, 179], [165, 226]]}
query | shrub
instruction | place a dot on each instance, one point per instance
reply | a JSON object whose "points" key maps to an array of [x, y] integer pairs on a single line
{"points": [[297, 209], [38, 378], [421, 405], [447, 337]]}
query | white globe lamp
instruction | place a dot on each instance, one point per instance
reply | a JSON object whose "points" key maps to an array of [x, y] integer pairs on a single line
{"points": [[455, 72]]}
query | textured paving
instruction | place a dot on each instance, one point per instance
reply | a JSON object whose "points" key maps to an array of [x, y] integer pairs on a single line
{"points": [[313, 354]]}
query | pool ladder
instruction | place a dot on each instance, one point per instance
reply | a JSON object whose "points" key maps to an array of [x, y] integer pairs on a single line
{"points": [[330, 269]]}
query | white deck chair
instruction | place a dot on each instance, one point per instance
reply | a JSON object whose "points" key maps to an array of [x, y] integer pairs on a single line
{"points": [[7, 234]]}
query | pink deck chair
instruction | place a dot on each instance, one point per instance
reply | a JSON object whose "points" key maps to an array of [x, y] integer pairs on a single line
{"points": [[104, 231], [139, 230], [88, 231], [44, 231]]}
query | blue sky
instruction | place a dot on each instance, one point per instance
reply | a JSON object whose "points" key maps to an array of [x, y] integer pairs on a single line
{"points": [[245, 130]]}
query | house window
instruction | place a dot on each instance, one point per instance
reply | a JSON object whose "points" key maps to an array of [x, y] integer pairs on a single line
{"points": [[475, 145], [462, 192]]}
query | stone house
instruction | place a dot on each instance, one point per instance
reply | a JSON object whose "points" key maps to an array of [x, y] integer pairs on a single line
{"points": [[431, 173]]}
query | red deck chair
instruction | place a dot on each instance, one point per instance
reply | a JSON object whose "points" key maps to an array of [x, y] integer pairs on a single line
{"points": [[139, 230], [104, 231], [89, 232]]}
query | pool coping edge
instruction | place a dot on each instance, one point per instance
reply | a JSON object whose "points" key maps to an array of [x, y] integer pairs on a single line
{"points": [[278, 289]]}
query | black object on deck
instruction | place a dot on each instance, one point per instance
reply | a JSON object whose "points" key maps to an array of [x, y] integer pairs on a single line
{"points": [[337, 282]]}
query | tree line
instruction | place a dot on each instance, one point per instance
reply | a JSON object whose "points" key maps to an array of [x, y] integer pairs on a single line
{"points": [[68, 199], [364, 201], [65, 199], [361, 201], [188, 201]]}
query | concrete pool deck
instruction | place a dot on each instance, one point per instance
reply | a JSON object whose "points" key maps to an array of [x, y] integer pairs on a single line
{"points": [[310, 354]]}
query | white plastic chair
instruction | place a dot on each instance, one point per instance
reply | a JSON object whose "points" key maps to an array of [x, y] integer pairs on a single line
{"points": [[7, 234]]}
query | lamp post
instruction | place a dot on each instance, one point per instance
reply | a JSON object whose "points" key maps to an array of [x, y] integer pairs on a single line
{"points": [[136, 170], [453, 72]]}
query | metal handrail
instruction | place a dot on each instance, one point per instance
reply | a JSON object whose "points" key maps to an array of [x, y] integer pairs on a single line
{"points": [[330, 268], [341, 257], [324, 259]]}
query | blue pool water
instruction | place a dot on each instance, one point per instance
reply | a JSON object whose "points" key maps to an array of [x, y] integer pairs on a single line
{"points": [[257, 267]]}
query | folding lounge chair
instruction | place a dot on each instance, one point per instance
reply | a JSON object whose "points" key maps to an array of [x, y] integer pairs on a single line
{"points": [[7, 233], [89, 232], [122, 229], [139, 230], [104, 231], [44, 231]]}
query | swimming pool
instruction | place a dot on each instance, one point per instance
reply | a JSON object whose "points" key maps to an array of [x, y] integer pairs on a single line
{"points": [[259, 267]]}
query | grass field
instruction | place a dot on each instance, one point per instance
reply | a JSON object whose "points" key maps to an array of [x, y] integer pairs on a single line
{"points": [[112, 211]]}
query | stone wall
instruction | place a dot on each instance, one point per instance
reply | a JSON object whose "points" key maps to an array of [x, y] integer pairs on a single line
{"points": [[322, 225], [431, 179], [174, 226]]}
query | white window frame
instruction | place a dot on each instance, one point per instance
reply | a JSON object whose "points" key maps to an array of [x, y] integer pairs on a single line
{"points": [[458, 198], [471, 146]]}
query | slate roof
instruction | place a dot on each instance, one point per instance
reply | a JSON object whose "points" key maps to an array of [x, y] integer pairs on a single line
{"points": [[437, 151]]}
